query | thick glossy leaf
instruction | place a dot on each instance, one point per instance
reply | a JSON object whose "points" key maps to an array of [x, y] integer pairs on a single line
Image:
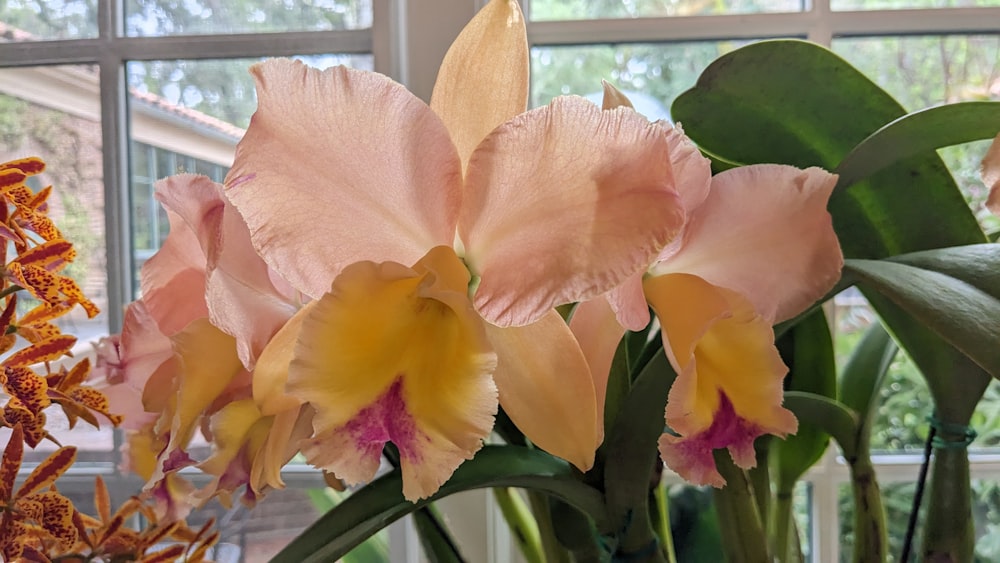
{"points": [[961, 314], [956, 383], [631, 453], [794, 102], [828, 414], [918, 133], [863, 373], [808, 351], [380, 503]]}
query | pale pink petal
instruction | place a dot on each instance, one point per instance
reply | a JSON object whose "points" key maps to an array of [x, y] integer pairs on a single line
{"points": [[242, 300], [564, 203], [546, 388], [692, 171], [483, 80], [598, 331], [764, 232], [340, 166], [629, 303], [991, 175], [173, 279], [142, 349]]}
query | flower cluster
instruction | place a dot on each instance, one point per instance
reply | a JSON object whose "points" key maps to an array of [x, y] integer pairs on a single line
{"points": [[38, 523], [375, 269]]}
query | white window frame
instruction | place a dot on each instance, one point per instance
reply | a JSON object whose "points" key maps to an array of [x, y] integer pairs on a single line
{"points": [[408, 40]]}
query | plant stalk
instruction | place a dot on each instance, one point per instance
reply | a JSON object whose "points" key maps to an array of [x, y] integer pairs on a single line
{"points": [[869, 513], [948, 530], [743, 536]]}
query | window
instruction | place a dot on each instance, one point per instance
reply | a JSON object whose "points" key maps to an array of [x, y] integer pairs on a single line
{"points": [[119, 93]]}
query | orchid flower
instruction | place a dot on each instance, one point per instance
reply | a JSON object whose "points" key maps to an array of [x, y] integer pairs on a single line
{"points": [[436, 241], [175, 369], [991, 175], [758, 247]]}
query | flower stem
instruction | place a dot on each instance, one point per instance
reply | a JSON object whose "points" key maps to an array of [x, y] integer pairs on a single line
{"points": [[662, 497], [869, 513], [521, 523], [742, 530], [553, 551]]}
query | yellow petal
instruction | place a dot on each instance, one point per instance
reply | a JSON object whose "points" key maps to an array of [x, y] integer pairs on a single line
{"points": [[396, 354], [271, 371], [208, 363], [483, 80], [546, 388], [729, 375]]}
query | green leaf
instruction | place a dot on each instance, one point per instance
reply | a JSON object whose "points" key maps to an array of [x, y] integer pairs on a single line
{"points": [[631, 447], [960, 313], [832, 416], [794, 102], [955, 382], [381, 502], [439, 547], [864, 370], [808, 351], [918, 133]]}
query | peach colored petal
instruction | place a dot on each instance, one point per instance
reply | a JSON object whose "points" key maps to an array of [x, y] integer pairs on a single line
{"points": [[991, 175], [692, 171], [142, 350], [173, 279], [598, 331], [613, 97], [546, 388], [282, 443], [629, 303], [564, 203], [241, 298], [764, 232], [396, 354], [340, 166], [483, 80]]}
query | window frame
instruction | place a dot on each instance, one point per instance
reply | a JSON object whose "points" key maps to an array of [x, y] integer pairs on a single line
{"points": [[407, 41]]}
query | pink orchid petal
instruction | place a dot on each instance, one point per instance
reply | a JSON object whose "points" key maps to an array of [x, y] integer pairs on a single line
{"points": [[692, 171], [340, 166], [613, 97], [564, 203], [629, 303], [598, 331], [241, 298], [396, 354], [764, 231], [483, 80], [991, 175], [173, 279], [143, 350], [546, 388]]}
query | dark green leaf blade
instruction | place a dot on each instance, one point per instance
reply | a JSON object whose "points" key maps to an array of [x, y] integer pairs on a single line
{"points": [[918, 133], [380, 503], [958, 312], [794, 102]]}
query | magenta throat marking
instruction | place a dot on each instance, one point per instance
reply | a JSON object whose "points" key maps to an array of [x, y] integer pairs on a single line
{"points": [[387, 420]]}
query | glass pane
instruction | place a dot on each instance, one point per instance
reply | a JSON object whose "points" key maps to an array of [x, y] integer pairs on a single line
{"points": [[908, 4], [898, 500], [66, 134], [590, 9], [923, 71], [155, 18], [905, 402], [37, 20], [650, 74], [187, 116]]}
